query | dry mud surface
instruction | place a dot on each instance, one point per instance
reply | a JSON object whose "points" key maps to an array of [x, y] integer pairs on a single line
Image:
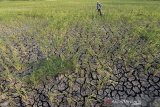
{"points": [[121, 83]]}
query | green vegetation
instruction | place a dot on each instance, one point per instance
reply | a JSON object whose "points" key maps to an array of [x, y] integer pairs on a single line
{"points": [[40, 39], [58, 25], [48, 67]]}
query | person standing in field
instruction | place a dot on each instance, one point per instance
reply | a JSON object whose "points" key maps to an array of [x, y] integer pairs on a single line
{"points": [[99, 8]]}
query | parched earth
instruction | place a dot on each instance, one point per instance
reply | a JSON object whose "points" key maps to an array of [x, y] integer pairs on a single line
{"points": [[106, 77], [88, 89]]}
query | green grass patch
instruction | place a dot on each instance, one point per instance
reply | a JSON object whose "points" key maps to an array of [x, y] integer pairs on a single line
{"points": [[48, 67], [54, 24]]}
